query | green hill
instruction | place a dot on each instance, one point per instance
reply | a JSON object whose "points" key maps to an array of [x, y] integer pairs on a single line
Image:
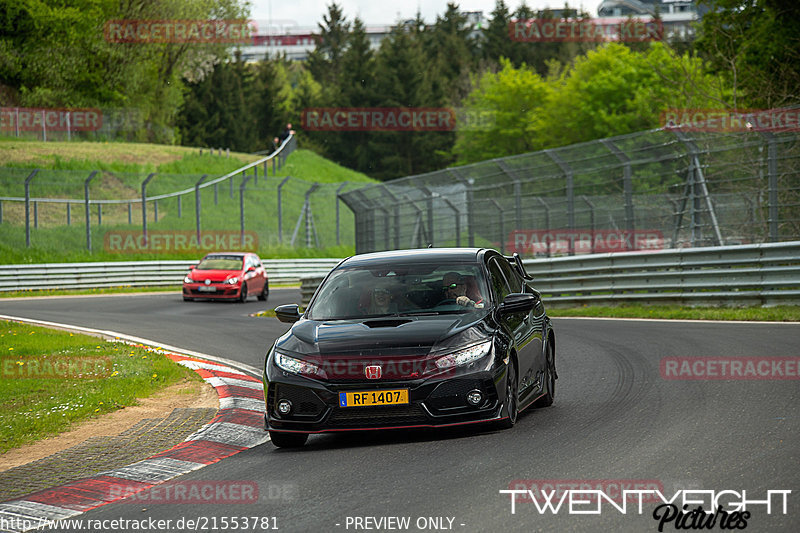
{"points": [[122, 169]]}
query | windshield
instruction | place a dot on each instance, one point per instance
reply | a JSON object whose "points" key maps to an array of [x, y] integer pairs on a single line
{"points": [[221, 262], [400, 289]]}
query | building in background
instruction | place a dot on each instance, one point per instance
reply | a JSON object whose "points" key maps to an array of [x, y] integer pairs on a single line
{"points": [[676, 15]]}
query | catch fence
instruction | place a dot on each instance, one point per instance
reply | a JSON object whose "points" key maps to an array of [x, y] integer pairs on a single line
{"points": [[650, 190]]}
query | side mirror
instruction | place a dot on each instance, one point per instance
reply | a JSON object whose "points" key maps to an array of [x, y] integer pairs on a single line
{"points": [[517, 302], [288, 313], [251, 268], [192, 267]]}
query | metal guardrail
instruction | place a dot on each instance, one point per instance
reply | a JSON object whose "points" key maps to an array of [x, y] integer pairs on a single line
{"points": [[758, 274], [138, 273]]}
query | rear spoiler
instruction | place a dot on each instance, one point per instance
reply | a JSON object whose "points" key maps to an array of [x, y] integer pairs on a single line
{"points": [[516, 262]]}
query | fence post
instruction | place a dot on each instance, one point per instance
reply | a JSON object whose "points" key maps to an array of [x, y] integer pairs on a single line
{"points": [[216, 194], [700, 188], [429, 202], [69, 213], [567, 170], [458, 220], [197, 206], [502, 229], [144, 205], [28, 207], [338, 190], [86, 209], [396, 203], [591, 217], [245, 179], [511, 173], [627, 185], [280, 213], [546, 220], [772, 184], [35, 214], [180, 207], [130, 213], [468, 184], [1, 211]]}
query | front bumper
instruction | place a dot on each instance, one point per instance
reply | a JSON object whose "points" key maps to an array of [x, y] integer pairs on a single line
{"points": [[220, 291], [432, 403]]}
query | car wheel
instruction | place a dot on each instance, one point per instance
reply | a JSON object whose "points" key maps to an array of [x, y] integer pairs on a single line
{"points": [[264, 292], [549, 379], [512, 398], [243, 293], [288, 440]]}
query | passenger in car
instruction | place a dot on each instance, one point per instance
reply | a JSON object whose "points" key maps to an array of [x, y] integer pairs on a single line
{"points": [[454, 286], [380, 302]]}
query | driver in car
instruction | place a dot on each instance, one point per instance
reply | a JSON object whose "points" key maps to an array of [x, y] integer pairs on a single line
{"points": [[455, 288]]}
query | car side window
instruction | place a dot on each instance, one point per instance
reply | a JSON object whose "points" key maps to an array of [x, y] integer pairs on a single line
{"points": [[513, 279], [497, 281]]}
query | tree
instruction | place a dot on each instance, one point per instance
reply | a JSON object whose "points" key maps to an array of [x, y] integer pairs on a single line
{"points": [[756, 44], [496, 40], [325, 62], [505, 106]]}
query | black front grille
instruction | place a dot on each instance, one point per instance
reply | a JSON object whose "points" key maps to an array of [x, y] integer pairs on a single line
{"points": [[378, 416], [304, 402]]}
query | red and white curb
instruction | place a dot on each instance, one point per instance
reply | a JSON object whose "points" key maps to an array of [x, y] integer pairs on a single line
{"points": [[238, 426]]}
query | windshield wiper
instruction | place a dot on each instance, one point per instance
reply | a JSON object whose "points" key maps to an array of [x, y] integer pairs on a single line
{"points": [[420, 313]]}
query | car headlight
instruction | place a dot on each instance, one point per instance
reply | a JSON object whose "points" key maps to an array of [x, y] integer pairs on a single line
{"points": [[232, 281], [296, 366], [464, 356], [188, 279]]}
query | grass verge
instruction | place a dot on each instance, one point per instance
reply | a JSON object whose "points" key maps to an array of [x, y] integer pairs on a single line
{"points": [[785, 313], [51, 380]]}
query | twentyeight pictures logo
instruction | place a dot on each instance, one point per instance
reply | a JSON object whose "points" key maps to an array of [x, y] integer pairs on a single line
{"points": [[682, 509]]}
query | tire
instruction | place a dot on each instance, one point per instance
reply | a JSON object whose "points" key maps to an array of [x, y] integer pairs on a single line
{"points": [[288, 440], [549, 380], [243, 293], [264, 292], [512, 398]]}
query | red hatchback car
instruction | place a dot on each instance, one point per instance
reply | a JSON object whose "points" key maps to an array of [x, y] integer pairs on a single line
{"points": [[227, 276]]}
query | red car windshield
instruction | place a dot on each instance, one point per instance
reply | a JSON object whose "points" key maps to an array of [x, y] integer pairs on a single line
{"points": [[221, 262]]}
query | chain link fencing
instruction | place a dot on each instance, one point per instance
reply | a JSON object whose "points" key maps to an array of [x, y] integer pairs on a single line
{"points": [[657, 189]]}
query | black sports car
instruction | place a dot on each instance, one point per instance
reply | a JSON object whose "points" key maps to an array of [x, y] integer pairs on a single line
{"points": [[411, 338]]}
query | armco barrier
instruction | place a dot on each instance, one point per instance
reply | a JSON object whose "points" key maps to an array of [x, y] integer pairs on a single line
{"points": [[139, 273], [757, 274]]}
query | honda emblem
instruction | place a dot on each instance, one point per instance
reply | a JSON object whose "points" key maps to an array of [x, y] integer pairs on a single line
{"points": [[373, 372]]}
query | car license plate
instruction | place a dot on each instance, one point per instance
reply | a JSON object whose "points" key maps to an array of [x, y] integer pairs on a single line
{"points": [[206, 288], [376, 397]]}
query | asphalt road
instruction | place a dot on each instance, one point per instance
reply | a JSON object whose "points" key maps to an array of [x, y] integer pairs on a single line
{"points": [[615, 418]]}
